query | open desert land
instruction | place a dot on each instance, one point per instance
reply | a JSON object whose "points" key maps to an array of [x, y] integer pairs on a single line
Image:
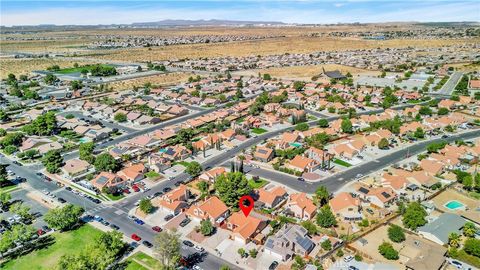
{"points": [[158, 80], [305, 72], [265, 47], [26, 65]]}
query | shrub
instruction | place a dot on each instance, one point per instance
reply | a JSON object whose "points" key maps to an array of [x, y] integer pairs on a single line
{"points": [[387, 251], [396, 234]]}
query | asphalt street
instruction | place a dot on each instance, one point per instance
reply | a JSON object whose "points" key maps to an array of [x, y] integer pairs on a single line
{"points": [[113, 125], [450, 85]]}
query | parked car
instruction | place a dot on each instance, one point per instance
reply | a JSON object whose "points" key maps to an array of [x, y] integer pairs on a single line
{"points": [[300, 179], [457, 264], [157, 228], [40, 232], [147, 244], [184, 222], [168, 217], [273, 265], [167, 189], [188, 243], [115, 227], [139, 221], [348, 258], [136, 237], [62, 200], [199, 248]]}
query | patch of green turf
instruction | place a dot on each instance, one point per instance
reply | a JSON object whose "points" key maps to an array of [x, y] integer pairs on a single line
{"points": [[133, 265], [152, 174], [79, 69], [257, 184], [114, 197], [259, 130], [146, 260], [65, 243], [342, 163]]}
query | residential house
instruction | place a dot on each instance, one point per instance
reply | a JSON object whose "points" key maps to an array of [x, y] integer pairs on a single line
{"points": [[303, 164], [133, 173], [301, 207], [212, 174], [75, 167], [263, 153], [107, 180], [174, 201], [212, 209], [439, 229], [345, 206], [289, 240], [271, 196], [245, 228]]}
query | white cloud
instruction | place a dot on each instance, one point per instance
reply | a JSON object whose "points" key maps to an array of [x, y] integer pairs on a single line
{"points": [[339, 4]]}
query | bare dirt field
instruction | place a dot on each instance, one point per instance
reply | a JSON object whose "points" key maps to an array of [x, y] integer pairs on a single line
{"points": [[26, 65], [295, 44], [305, 72], [161, 80]]}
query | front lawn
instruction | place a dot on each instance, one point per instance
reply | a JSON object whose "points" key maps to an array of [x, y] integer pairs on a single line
{"points": [[259, 130], [114, 197], [152, 175], [9, 188], [146, 260], [342, 163], [78, 69], [133, 265], [183, 163], [257, 184], [47, 258]]}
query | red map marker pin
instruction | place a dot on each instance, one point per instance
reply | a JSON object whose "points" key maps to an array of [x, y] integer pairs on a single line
{"points": [[246, 208]]}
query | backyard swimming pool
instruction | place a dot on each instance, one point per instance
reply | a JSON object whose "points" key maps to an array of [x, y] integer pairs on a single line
{"points": [[454, 205]]}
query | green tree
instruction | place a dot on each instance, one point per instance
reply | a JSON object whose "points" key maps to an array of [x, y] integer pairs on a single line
{"points": [[20, 209], [396, 234], [454, 240], [310, 227], [231, 186], [425, 110], [50, 79], [325, 217], [3, 116], [85, 151], [387, 251], [383, 143], [4, 175], [64, 218], [472, 247], [167, 248], [323, 123], [326, 245], [206, 227], [120, 117], [414, 216], [5, 198], [469, 229], [203, 186], [253, 253], [443, 111], [194, 168], [302, 127], [321, 196], [13, 139], [419, 133], [346, 126], [43, 125], [52, 161], [76, 85], [267, 77], [146, 206], [106, 162]]}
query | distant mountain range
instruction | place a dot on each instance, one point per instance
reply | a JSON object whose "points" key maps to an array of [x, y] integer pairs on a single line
{"points": [[203, 23]]}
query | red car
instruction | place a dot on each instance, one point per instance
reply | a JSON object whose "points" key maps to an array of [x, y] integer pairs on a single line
{"points": [[40, 232], [126, 191], [156, 228], [135, 188], [136, 237]]}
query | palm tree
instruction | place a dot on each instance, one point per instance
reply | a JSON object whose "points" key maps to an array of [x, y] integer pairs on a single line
{"points": [[469, 229], [454, 240]]}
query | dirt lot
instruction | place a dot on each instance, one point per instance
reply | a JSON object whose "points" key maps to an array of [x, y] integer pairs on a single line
{"points": [[304, 72], [451, 194], [163, 79], [26, 65]]}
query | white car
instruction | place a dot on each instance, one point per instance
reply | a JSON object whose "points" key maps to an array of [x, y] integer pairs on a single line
{"points": [[137, 203], [199, 248], [348, 258], [196, 267]]}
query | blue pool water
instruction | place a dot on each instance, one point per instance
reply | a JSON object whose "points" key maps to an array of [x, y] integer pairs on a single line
{"points": [[454, 205], [296, 144]]}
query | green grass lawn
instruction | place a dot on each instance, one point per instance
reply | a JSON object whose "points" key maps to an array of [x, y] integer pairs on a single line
{"points": [[146, 260], [114, 197], [259, 130], [133, 265], [257, 184], [342, 163], [183, 163], [9, 188], [65, 243], [152, 174], [79, 69]]}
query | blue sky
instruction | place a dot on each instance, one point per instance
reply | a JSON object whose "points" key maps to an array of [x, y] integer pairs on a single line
{"points": [[15, 12]]}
